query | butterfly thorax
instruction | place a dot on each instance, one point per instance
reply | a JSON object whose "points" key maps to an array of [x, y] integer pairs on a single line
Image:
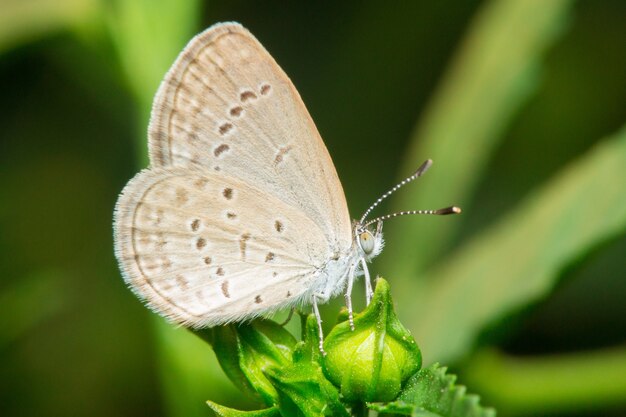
{"points": [[333, 275]]}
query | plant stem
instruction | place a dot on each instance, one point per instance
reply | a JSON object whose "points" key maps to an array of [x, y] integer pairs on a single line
{"points": [[360, 410]]}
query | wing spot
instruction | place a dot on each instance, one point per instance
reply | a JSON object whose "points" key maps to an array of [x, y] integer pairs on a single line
{"points": [[270, 256], [227, 193], [207, 260], [243, 244], [220, 271], [195, 225], [225, 289], [220, 150], [166, 263], [201, 182], [192, 137], [274, 274], [217, 168], [161, 242], [280, 156], [182, 196], [182, 282], [236, 111], [200, 243], [288, 294], [150, 267], [246, 96], [278, 225], [225, 128], [265, 89], [231, 215], [258, 299]]}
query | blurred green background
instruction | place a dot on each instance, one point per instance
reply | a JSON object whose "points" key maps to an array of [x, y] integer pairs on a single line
{"points": [[520, 103]]}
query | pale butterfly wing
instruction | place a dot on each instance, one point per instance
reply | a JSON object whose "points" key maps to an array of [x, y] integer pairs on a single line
{"points": [[242, 211], [227, 106], [205, 249]]}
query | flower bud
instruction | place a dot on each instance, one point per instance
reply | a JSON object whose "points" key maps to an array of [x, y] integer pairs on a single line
{"points": [[247, 351], [302, 386], [371, 362]]}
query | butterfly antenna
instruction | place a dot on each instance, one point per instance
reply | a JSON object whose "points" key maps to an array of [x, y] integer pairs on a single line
{"points": [[420, 171], [440, 212]]}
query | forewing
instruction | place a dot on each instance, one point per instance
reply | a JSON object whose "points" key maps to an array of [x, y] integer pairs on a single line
{"points": [[205, 249], [227, 106]]}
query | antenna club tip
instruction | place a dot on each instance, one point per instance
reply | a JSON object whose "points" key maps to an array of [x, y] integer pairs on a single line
{"points": [[423, 168], [448, 210]]}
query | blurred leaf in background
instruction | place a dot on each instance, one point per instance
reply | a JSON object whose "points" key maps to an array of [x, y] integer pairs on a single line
{"points": [[520, 104], [27, 21], [148, 35]]}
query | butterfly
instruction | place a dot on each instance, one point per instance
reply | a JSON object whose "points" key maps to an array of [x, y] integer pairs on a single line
{"points": [[241, 212]]}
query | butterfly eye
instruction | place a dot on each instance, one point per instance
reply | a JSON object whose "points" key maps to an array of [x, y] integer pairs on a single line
{"points": [[366, 240]]}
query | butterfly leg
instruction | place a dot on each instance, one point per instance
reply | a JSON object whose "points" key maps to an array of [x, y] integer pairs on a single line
{"points": [[368, 283], [369, 293], [316, 311], [288, 319], [351, 274]]}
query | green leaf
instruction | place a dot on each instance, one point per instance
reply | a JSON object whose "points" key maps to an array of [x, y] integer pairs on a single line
{"points": [[431, 392], [302, 386], [148, 35], [247, 351], [25, 21], [263, 359], [231, 412], [562, 383], [43, 289], [519, 259], [491, 77], [371, 362], [190, 372]]}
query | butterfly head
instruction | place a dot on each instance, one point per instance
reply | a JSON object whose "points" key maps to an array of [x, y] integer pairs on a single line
{"points": [[370, 242]]}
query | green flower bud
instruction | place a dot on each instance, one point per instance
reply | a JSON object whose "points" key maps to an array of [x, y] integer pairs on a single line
{"points": [[372, 362], [247, 351], [302, 387]]}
